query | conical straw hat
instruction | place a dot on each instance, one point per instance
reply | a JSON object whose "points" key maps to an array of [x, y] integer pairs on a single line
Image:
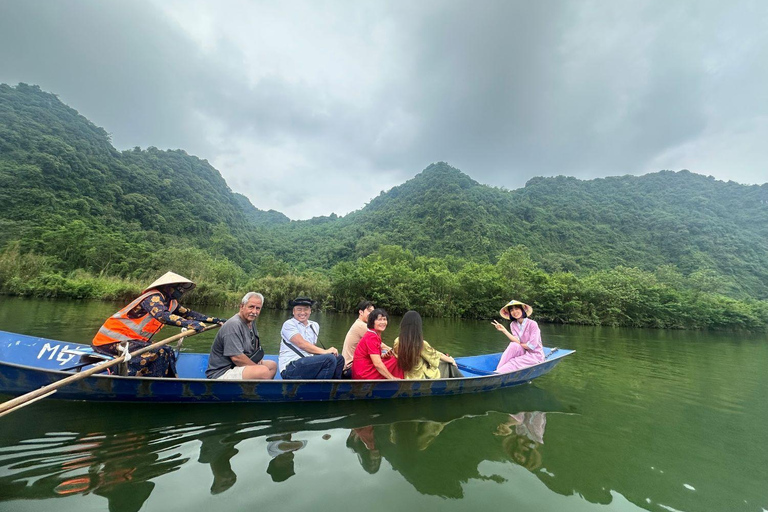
{"points": [[172, 278], [505, 312]]}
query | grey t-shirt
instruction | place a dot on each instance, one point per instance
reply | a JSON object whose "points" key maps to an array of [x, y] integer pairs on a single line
{"points": [[234, 338]]}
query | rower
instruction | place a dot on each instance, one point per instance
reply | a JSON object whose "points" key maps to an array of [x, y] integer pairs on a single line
{"points": [[133, 326]]}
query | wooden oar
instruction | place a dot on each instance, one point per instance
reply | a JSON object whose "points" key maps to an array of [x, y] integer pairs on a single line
{"points": [[38, 394]]}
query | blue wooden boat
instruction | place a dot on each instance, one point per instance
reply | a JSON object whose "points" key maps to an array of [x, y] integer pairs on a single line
{"points": [[28, 363]]}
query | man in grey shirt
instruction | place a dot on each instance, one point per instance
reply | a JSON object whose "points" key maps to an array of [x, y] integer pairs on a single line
{"points": [[236, 343]]}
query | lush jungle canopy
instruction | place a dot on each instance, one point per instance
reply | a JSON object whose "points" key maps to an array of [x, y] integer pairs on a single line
{"points": [[79, 218]]}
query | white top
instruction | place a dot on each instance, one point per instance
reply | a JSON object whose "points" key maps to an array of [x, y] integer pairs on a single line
{"points": [[292, 327]]}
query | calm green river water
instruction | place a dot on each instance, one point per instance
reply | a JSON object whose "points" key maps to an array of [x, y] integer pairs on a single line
{"points": [[635, 420]]}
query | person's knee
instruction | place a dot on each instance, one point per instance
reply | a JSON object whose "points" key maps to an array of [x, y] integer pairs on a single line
{"points": [[258, 372], [328, 359]]}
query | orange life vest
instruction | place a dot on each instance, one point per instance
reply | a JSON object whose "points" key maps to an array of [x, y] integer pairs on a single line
{"points": [[119, 327]]}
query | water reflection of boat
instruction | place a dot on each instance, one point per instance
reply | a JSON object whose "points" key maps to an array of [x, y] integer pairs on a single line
{"points": [[28, 363], [117, 466], [119, 451], [415, 448]]}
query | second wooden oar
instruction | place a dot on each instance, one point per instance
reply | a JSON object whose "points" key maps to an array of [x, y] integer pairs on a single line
{"points": [[38, 394]]}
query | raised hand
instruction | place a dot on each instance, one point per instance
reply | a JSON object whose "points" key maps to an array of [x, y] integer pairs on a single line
{"points": [[498, 326]]}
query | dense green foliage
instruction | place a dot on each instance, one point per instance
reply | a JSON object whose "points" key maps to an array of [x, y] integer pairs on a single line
{"points": [[73, 197], [81, 219], [692, 222]]}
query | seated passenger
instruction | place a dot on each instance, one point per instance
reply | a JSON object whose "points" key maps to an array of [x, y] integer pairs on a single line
{"points": [[356, 332], [416, 357], [525, 348], [300, 357], [368, 363], [236, 352]]}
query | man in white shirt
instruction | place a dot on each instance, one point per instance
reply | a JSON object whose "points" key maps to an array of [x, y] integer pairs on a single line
{"points": [[300, 357]]}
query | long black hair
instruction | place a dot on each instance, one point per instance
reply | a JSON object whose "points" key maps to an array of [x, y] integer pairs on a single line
{"points": [[411, 341], [522, 309]]}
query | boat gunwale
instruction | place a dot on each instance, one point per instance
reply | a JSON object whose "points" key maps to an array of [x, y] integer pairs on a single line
{"points": [[566, 352]]}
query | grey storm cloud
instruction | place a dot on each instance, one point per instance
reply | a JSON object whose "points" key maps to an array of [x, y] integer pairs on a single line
{"points": [[310, 107], [117, 63]]}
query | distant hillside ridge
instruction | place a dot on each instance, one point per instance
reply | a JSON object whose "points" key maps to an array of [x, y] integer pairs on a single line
{"points": [[692, 222], [74, 194], [77, 201]]}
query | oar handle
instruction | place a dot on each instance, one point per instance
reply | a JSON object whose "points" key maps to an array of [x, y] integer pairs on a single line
{"points": [[32, 396]]}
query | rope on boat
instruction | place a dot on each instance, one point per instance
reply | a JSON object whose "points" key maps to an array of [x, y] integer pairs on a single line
{"points": [[124, 352]]}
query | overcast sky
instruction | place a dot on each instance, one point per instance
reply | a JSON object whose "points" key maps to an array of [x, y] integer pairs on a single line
{"points": [[314, 107]]}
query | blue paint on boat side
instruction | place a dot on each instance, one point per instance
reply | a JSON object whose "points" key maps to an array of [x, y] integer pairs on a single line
{"points": [[28, 363]]}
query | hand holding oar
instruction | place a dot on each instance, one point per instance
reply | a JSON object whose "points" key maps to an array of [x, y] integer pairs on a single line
{"points": [[33, 396]]}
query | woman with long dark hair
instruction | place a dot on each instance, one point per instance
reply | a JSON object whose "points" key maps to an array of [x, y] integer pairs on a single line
{"points": [[368, 363], [415, 356]]}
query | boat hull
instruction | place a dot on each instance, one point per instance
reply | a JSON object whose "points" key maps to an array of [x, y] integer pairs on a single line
{"points": [[28, 363]]}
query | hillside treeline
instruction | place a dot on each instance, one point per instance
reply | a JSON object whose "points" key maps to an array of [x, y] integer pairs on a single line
{"points": [[397, 280], [80, 219]]}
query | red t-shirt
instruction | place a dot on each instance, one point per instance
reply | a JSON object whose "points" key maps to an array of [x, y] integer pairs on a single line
{"points": [[362, 365]]}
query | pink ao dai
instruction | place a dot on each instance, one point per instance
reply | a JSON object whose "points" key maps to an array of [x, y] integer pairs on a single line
{"points": [[516, 357]]}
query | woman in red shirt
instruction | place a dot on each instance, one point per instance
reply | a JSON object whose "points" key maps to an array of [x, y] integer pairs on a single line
{"points": [[368, 362]]}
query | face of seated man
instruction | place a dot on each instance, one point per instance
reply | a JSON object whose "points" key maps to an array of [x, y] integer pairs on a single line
{"points": [[301, 313], [250, 310]]}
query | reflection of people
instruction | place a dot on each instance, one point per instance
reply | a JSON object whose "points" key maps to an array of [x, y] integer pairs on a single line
{"points": [[281, 448], [137, 322], [415, 434], [236, 344], [525, 348], [522, 446], [416, 357], [415, 448], [363, 443], [356, 332], [368, 362], [123, 477], [300, 357], [523, 452], [217, 451]]}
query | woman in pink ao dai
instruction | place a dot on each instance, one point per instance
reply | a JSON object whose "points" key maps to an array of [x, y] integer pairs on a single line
{"points": [[525, 347]]}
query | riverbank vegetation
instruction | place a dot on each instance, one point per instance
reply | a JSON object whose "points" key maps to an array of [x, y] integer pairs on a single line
{"points": [[396, 279], [81, 219]]}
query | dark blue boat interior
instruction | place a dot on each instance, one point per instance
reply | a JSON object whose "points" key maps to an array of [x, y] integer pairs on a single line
{"points": [[60, 355]]}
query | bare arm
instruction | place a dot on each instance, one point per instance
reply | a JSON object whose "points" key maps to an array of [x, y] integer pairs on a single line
{"points": [[381, 368], [242, 360], [308, 347], [448, 359], [512, 337]]}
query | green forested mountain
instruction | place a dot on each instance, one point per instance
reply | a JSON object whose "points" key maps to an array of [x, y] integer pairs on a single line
{"points": [[72, 206], [69, 194], [683, 219]]}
